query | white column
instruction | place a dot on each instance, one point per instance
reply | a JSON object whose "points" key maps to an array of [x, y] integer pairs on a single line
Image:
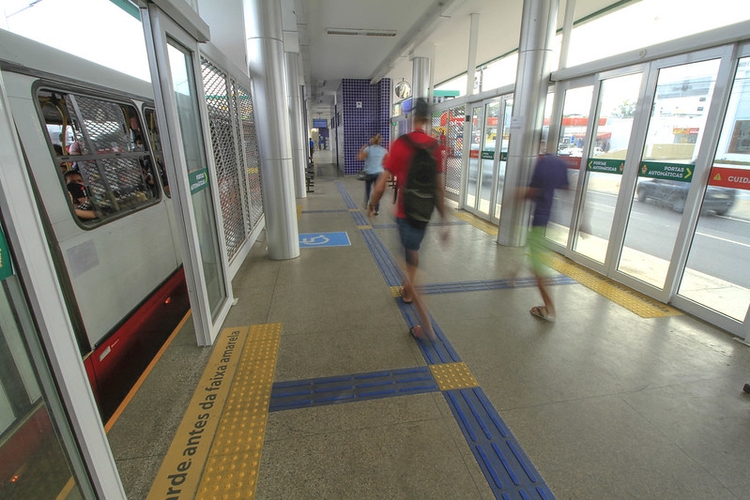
{"points": [[299, 158], [532, 82], [265, 49], [471, 64]]}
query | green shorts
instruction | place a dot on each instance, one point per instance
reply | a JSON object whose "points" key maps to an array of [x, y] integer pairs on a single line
{"points": [[538, 250]]}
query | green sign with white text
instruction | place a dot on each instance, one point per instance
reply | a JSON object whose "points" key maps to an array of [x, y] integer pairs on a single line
{"points": [[198, 180], [6, 268], [672, 171], [606, 166]]}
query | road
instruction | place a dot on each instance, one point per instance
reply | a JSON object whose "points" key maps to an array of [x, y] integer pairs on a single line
{"points": [[720, 247]]}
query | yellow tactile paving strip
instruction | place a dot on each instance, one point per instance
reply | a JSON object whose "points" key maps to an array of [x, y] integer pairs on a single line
{"points": [[476, 222], [216, 450], [636, 302], [183, 464], [234, 459], [640, 304], [451, 376], [395, 291]]}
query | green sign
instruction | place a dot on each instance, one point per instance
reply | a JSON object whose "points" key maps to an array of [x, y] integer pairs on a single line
{"points": [[6, 268], [607, 166], [488, 155], [198, 180], [503, 156], [672, 171]]}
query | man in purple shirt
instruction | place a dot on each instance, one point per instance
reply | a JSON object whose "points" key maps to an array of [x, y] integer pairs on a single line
{"points": [[549, 174]]}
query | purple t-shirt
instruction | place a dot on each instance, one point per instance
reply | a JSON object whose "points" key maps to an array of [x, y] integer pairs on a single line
{"points": [[549, 174]]}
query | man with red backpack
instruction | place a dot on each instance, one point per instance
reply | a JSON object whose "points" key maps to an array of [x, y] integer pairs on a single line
{"points": [[415, 161]]}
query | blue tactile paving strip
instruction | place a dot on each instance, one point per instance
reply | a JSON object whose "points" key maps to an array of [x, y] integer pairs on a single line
{"points": [[324, 211], [363, 386], [348, 200], [509, 472], [391, 272], [391, 225], [505, 465], [484, 285]]}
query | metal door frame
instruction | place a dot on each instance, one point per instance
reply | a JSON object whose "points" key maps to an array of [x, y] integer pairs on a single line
{"points": [[158, 28], [495, 162], [729, 55], [91, 457]]}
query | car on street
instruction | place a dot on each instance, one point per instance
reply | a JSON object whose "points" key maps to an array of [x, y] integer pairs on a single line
{"points": [[674, 193]]}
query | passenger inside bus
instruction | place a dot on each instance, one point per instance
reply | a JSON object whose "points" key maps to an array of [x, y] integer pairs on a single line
{"points": [[78, 196]]}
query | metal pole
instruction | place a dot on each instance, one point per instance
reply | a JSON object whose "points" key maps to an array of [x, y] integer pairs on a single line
{"points": [[265, 49]]}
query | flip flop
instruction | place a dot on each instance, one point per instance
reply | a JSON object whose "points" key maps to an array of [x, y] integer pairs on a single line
{"points": [[419, 334], [542, 313], [416, 332], [403, 299]]}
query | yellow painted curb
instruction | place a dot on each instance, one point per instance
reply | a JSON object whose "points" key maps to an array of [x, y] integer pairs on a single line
{"points": [[183, 464]]}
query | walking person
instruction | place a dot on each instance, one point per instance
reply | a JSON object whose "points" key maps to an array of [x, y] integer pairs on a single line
{"points": [[373, 155], [418, 153], [550, 173]]}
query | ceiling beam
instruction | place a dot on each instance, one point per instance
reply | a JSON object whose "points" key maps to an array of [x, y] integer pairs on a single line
{"points": [[419, 31]]}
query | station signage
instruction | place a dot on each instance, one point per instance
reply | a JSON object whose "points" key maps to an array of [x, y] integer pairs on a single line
{"points": [[730, 177], [6, 268], [682, 172], [198, 180], [608, 166]]}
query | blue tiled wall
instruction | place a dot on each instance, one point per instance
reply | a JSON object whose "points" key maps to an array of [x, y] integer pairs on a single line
{"points": [[365, 111]]}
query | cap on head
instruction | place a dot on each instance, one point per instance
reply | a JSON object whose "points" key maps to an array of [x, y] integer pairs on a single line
{"points": [[421, 108]]}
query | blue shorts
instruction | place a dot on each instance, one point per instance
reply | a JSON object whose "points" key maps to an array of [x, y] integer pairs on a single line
{"points": [[411, 237]]}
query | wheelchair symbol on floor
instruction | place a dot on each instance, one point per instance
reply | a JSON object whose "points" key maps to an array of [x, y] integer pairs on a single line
{"points": [[320, 239]]}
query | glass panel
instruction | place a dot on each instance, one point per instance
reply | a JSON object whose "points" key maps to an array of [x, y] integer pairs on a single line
{"points": [[657, 20], [575, 120], [546, 121], [678, 117], [499, 73], [33, 462], [105, 168], [487, 156], [617, 99], [503, 160], [457, 83], [477, 119], [453, 123], [717, 274], [181, 67], [155, 140]]}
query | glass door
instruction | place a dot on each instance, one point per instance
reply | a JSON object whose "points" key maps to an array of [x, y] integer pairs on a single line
{"points": [[571, 141], [612, 127], [34, 459], [716, 275], [487, 129], [475, 146], [503, 137], [677, 122], [174, 54]]}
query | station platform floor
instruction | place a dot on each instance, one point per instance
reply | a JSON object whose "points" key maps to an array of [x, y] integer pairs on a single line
{"points": [[316, 390]]}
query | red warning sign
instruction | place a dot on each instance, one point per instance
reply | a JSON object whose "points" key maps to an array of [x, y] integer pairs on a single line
{"points": [[730, 177]]}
